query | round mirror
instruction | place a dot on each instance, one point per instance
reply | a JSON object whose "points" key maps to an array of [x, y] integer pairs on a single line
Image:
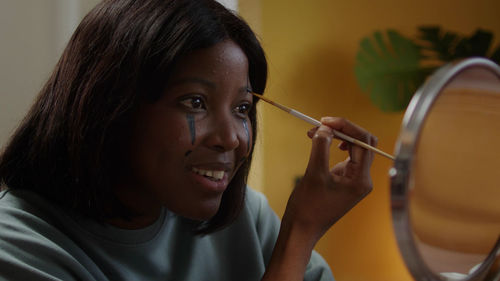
{"points": [[445, 183]]}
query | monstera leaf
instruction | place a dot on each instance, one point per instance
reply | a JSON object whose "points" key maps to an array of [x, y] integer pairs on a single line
{"points": [[388, 69], [447, 46]]}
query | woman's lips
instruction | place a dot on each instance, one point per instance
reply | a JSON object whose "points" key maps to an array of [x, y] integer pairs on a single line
{"points": [[216, 175], [213, 177]]}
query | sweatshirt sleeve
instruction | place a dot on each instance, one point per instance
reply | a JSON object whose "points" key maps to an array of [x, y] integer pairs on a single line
{"points": [[268, 226], [32, 249]]}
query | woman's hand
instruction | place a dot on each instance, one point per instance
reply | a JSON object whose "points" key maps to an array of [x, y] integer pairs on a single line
{"points": [[321, 198], [324, 195]]}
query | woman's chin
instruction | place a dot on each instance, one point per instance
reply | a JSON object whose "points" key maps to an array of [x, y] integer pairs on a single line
{"points": [[203, 213]]}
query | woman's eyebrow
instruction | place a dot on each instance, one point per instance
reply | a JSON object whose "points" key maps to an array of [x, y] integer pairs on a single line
{"points": [[206, 83], [196, 80], [245, 90]]}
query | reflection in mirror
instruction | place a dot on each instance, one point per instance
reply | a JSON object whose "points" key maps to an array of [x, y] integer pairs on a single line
{"points": [[455, 192], [453, 180]]}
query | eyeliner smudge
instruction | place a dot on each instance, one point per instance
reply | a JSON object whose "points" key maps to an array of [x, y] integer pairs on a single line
{"points": [[192, 129], [248, 134]]}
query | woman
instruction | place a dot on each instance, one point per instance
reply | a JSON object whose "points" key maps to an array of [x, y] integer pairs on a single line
{"points": [[132, 163]]}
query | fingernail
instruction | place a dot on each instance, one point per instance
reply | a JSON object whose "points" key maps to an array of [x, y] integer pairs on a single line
{"points": [[324, 130]]}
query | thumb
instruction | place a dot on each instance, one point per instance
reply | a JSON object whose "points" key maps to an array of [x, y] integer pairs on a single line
{"points": [[320, 151]]}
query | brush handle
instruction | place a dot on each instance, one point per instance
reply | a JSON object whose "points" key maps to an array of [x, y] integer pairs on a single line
{"points": [[304, 117], [362, 144], [316, 123], [340, 135]]}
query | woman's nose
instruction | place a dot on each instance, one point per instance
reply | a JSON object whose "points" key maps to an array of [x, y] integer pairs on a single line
{"points": [[223, 133]]}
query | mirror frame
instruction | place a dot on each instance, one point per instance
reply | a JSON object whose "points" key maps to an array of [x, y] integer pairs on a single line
{"points": [[412, 124]]}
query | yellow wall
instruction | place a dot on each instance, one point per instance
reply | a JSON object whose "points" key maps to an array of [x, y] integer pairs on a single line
{"points": [[311, 48]]}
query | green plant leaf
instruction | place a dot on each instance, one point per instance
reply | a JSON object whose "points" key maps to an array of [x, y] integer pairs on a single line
{"points": [[448, 46], [389, 66], [476, 45], [495, 56], [440, 44], [388, 69]]}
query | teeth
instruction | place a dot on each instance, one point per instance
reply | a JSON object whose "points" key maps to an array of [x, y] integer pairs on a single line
{"points": [[218, 175]]}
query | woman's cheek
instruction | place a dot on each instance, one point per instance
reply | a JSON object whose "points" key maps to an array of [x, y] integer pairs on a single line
{"points": [[182, 131]]}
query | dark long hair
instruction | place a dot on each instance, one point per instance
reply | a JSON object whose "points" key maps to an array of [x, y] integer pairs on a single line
{"points": [[67, 147]]}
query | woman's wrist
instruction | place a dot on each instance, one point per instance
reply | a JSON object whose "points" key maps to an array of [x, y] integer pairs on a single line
{"points": [[292, 252]]}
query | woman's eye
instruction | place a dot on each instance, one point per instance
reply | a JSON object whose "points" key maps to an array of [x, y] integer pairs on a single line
{"points": [[243, 109], [195, 103]]}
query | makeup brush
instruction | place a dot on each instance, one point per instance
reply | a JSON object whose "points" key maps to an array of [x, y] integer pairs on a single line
{"points": [[317, 124]]}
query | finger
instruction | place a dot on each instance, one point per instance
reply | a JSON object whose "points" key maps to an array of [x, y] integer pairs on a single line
{"points": [[360, 155], [347, 127], [320, 151], [311, 132], [339, 168], [357, 153], [374, 141], [344, 145]]}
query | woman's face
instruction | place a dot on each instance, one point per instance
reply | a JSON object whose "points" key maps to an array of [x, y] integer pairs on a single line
{"points": [[187, 146]]}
